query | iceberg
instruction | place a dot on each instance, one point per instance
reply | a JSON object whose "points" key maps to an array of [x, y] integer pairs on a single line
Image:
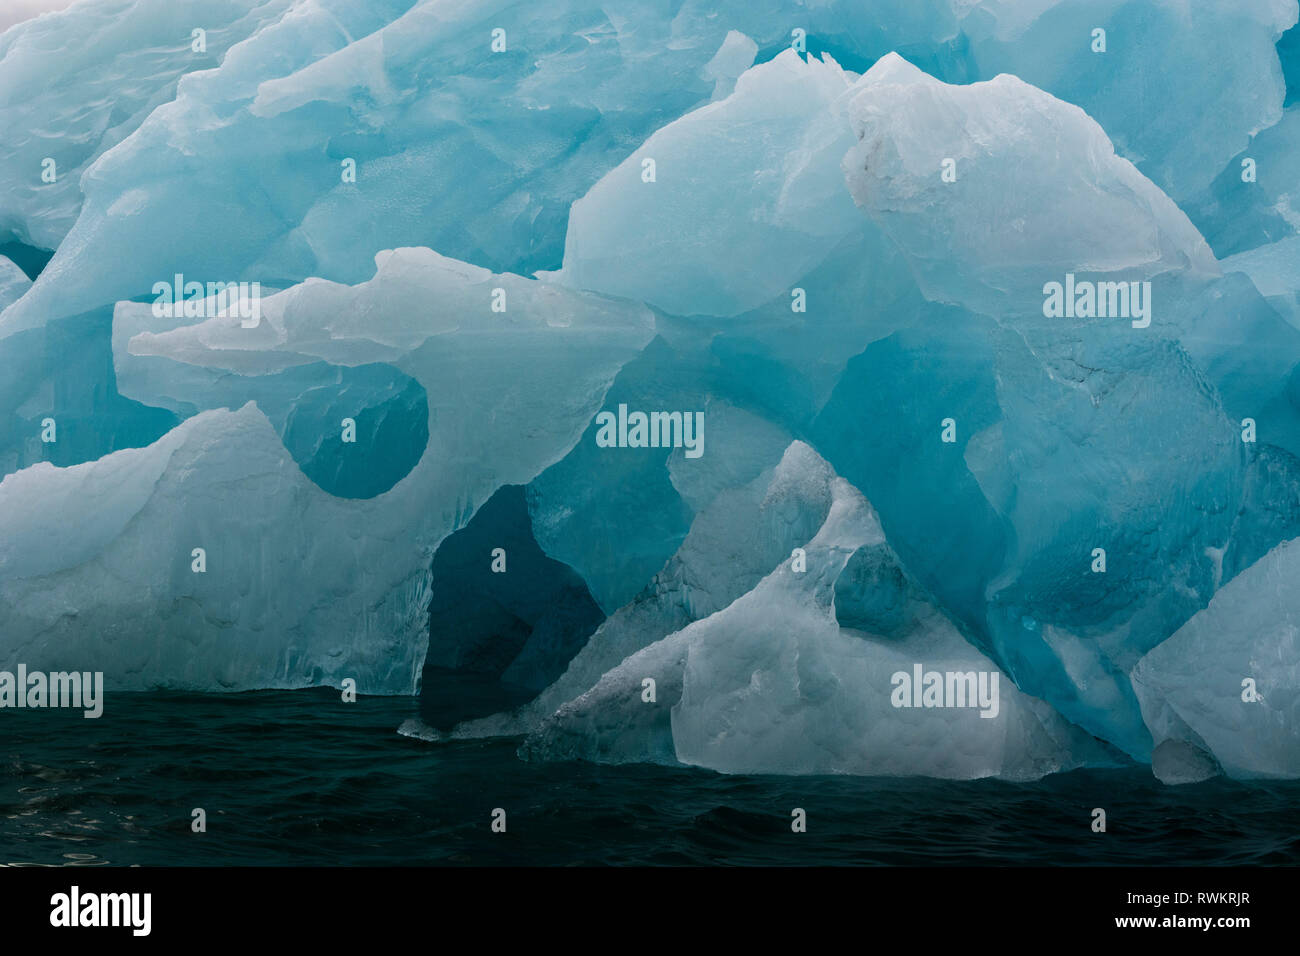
{"points": [[314, 587], [1011, 145], [773, 683], [332, 112], [500, 606], [1143, 78], [733, 542], [1255, 201], [992, 367], [116, 62], [13, 282], [1057, 429], [1274, 269], [778, 138], [1228, 681]]}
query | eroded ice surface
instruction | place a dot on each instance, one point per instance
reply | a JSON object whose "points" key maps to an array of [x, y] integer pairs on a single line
{"points": [[777, 139], [774, 684], [1229, 679], [75, 83], [316, 587], [1148, 88], [1093, 507], [13, 282]]}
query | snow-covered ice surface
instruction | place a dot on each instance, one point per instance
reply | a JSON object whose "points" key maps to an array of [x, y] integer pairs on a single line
{"points": [[830, 233]]}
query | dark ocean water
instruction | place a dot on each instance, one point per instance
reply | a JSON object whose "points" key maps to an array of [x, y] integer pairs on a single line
{"points": [[302, 778]]}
